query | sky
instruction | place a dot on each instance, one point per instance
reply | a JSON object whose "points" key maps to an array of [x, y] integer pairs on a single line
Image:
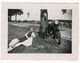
{"points": [[53, 13]]}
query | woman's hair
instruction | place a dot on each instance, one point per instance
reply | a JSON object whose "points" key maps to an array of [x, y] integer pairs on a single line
{"points": [[29, 34]]}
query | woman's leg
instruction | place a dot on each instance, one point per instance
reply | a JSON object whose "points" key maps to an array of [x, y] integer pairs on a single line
{"points": [[18, 44], [12, 47]]}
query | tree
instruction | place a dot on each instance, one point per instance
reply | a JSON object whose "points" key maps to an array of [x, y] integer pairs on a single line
{"points": [[43, 23], [15, 12], [63, 11], [28, 14]]}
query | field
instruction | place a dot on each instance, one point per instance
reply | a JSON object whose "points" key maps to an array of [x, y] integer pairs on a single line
{"points": [[17, 30]]}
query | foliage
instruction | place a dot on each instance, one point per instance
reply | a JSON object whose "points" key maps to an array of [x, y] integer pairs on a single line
{"points": [[12, 12]]}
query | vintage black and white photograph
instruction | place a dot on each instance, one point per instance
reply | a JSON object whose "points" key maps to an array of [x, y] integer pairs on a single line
{"points": [[40, 30]]}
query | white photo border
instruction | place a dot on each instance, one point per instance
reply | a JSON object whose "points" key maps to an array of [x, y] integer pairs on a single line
{"points": [[32, 56]]}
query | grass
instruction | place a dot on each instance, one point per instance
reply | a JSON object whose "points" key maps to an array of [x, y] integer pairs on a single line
{"points": [[39, 45]]}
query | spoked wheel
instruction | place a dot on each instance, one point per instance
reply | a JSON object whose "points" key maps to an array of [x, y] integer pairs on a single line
{"points": [[58, 37]]}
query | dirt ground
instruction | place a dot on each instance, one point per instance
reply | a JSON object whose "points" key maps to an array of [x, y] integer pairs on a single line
{"points": [[39, 45]]}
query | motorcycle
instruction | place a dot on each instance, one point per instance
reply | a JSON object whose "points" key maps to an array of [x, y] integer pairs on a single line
{"points": [[54, 31]]}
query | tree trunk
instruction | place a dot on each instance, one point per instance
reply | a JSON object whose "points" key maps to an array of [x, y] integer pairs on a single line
{"points": [[9, 18], [15, 17], [44, 23]]}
